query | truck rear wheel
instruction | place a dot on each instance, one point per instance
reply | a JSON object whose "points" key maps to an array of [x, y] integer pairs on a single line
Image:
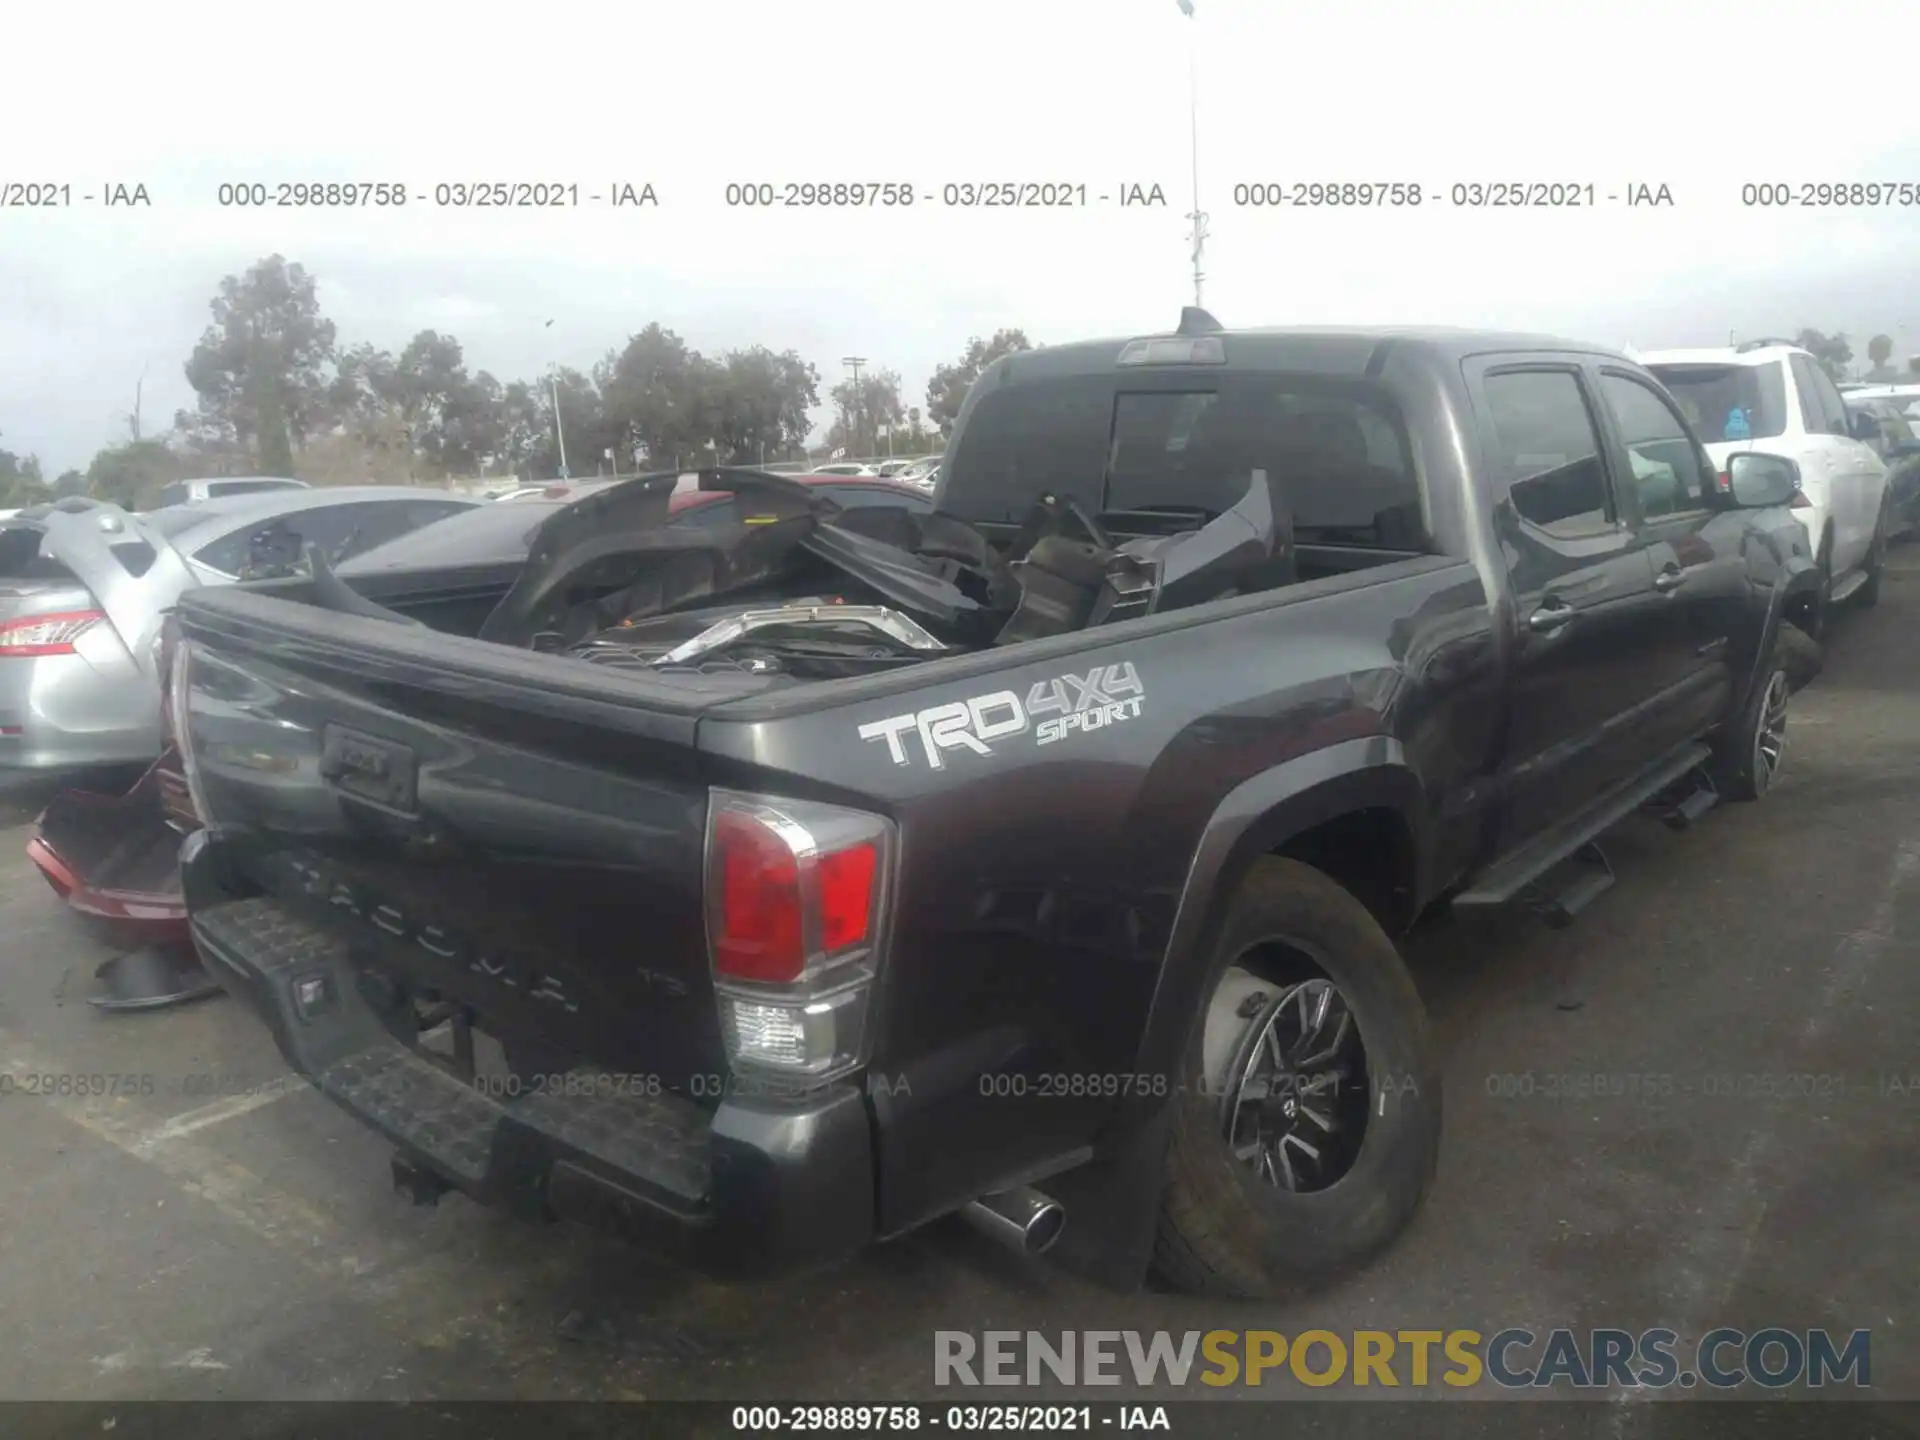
{"points": [[1747, 758], [1308, 1129]]}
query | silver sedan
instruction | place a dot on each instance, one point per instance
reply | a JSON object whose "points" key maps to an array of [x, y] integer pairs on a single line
{"points": [[84, 586]]}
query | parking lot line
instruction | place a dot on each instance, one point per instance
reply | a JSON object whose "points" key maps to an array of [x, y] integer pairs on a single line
{"points": [[280, 1219], [178, 1126]]}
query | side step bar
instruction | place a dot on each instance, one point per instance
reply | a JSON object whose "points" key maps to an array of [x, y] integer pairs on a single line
{"points": [[1678, 809], [1526, 867]]}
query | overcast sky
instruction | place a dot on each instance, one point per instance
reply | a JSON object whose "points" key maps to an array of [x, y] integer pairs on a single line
{"points": [[1095, 92]]}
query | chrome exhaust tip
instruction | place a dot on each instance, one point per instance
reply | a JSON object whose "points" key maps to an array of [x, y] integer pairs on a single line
{"points": [[1022, 1220]]}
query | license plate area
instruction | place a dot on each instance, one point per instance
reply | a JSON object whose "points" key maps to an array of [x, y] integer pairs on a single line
{"points": [[382, 772]]}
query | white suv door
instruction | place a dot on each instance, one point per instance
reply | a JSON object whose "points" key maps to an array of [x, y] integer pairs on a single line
{"points": [[1855, 476]]}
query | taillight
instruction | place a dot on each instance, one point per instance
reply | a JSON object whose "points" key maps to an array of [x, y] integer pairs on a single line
{"points": [[46, 634], [796, 896], [1799, 501], [179, 681], [164, 645]]}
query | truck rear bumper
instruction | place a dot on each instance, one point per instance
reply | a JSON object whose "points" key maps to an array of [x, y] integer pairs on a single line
{"points": [[755, 1186]]}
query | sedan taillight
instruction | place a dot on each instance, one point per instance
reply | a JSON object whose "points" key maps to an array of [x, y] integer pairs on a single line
{"points": [[164, 646], [46, 634]]}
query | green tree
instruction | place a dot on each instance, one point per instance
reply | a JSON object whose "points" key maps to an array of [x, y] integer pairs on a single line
{"points": [[662, 395], [863, 413], [1832, 351], [260, 368], [764, 402], [1880, 352], [449, 414], [21, 483], [132, 474], [950, 384], [70, 482]]}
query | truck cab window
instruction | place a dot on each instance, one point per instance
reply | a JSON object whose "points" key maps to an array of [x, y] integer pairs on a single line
{"points": [[1667, 475], [1546, 452]]}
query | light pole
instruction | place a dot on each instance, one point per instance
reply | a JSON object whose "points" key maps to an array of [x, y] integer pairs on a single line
{"points": [[853, 363], [559, 434], [1198, 216]]}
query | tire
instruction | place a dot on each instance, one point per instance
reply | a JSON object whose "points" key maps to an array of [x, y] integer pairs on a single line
{"points": [[1868, 595], [1749, 755], [1230, 1229]]}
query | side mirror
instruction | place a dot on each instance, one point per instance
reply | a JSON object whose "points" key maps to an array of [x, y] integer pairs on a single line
{"points": [[1865, 427], [1757, 482]]}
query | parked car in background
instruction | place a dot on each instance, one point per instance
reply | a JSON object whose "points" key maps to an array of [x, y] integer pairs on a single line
{"points": [[192, 492], [84, 584], [1775, 399], [924, 472], [1895, 441], [844, 467]]}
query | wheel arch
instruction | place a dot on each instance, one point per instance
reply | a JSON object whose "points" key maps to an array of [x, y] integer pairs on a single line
{"points": [[1795, 595], [1304, 809], [1343, 810]]}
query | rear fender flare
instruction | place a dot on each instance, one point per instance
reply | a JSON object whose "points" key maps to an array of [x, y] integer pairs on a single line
{"points": [[1800, 576], [1256, 817]]}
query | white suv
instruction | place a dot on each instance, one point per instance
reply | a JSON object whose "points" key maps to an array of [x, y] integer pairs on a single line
{"points": [[1776, 398]]}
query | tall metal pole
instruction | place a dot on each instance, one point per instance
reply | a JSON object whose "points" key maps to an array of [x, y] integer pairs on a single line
{"points": [[559, 434], [1198, 216], [853, 363]]}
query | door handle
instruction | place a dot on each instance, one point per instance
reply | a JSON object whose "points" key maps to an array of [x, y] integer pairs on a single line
{"points": [[1669, 580], [1549, 618]]}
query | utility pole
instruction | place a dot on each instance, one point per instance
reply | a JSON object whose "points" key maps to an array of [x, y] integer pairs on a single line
{"points": [[853, 363], [559, 434], [1198, 235]]}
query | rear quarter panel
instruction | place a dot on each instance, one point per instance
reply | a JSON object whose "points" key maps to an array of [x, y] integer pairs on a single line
{"points": [[1039, 882]]}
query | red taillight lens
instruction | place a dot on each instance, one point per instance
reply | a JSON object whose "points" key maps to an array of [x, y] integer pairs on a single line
{"points": [[846, 895], [794, 887], [1799, 501], [760, 931], [46, 634]]}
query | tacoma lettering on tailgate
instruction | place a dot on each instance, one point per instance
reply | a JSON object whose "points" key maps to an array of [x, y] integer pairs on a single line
{"points": [[1053, 710]]}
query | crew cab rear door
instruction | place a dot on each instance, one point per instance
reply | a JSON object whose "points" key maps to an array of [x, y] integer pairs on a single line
{"points": [[1595, 646], [1697, 547]]}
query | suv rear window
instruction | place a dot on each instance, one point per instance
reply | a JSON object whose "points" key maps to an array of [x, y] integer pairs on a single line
{"points": [[1340, 450], [1729, 402]]}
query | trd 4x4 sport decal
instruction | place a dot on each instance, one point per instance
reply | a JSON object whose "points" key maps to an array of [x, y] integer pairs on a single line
{"points": [[1053, 710]]}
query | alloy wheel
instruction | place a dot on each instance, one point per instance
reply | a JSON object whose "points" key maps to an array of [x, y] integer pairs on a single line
{"points": [[1293, 1097], [1770, 735]]}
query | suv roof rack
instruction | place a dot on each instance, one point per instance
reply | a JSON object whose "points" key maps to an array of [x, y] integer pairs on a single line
{"points": [[1195, 321], [1764, 343]]}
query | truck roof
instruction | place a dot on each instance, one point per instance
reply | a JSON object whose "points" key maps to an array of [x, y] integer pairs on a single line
{"points": [[1335, 350]]}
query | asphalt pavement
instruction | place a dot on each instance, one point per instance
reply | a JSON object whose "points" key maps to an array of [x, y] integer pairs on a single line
{"points": [[1699, 1106]]}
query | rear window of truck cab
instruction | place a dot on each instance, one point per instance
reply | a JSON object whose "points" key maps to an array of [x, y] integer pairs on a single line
{"points": [[1340, 451]]}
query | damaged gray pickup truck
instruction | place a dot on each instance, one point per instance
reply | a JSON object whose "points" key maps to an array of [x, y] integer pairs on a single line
{"points": [[769, 877]]}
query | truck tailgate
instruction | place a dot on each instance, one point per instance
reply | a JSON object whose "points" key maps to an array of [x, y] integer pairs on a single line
{"points": [[522, 836]]}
